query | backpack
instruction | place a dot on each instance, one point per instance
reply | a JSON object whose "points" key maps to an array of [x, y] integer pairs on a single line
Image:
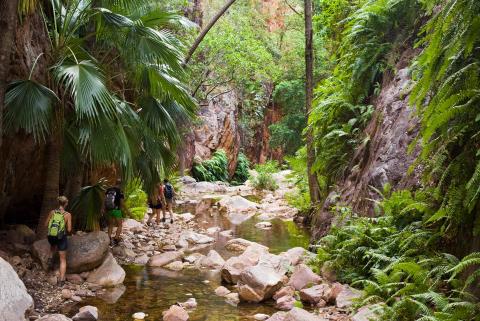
{"points": [[56, 225], [168, 191], [110, 199]]}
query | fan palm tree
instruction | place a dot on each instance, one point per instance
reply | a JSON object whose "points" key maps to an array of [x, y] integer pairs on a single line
{"points": [[113, 94]]}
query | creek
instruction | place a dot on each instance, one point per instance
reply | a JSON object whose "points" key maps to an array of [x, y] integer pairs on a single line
{"points": [[154, 290]]}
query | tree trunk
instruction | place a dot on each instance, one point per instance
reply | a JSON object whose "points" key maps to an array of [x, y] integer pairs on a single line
{"points": [[205, 30], [74, 183], [8, 22], [52, 179], [312, 178]]}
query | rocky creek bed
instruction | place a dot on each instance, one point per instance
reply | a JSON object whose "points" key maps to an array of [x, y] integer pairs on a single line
{"points": [[225, 258]]}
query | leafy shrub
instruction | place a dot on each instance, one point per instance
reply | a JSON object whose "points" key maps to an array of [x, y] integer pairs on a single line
{"points": [[242, 171], [398, 261], [264, 180], [213, 169], [300, 198], [270, 166], [135, 199]]}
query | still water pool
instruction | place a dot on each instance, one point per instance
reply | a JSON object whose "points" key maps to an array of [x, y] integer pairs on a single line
{"points": [[154, 290]]}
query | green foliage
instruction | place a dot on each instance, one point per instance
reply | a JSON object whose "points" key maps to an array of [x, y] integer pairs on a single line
{"points": [[264, 178], [287, 133], [361, 42], [87, 206], [213, 169], [398, 260], [242, 171], [135, 199], [300, 198], [447, 94]]}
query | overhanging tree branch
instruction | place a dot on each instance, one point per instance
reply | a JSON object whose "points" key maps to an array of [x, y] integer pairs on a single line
{"points": [[205, 30]]}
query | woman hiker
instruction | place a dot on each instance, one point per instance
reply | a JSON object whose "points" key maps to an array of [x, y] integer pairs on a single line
{"points": [[59, 223], [156, 203]]}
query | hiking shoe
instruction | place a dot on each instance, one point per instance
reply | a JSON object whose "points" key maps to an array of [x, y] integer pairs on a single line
{"points": [[61, 283], [171, 221], [163, 219]]}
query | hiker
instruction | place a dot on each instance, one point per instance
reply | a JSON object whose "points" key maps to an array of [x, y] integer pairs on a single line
{"points": [[157, 203], [59, 223], [113, 206], [169, 193]]}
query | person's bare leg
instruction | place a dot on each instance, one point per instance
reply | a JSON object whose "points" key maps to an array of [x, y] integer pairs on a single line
{"points": [[170, 210], [110, 227], [119, 228], [63, 264], [157, 213]]}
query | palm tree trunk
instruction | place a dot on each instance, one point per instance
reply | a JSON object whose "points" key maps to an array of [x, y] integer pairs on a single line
{"points": [[8, 21], [51, 190], [312, 178], [205, 30]]}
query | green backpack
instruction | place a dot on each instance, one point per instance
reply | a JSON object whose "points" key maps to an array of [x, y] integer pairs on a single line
{"points": [[56, 225]]}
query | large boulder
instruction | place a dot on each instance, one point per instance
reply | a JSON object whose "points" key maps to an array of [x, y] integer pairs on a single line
{"points": [[109, 274], [175, 313], [294, 255], [302, 276], [238, 245], [133, 226], [367, 313], [258, 283], [279, 264], [239, 209], [213, 260], [165, 258], [85, 252], [235, 265], [21, 234], [14, 298]]}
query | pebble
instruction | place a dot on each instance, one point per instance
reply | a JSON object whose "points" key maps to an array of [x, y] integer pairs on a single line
{"points": [[67, 294], [261, 316], [76, 298], [139, 315]]}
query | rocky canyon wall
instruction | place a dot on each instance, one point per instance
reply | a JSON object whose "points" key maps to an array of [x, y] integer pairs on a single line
{"points": [[384, 157]]}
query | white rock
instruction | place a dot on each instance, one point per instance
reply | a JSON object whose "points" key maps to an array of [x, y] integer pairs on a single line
{"points": [[139, 315]]}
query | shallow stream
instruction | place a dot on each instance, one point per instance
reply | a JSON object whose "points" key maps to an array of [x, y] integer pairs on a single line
{"points": [[154, 290]]}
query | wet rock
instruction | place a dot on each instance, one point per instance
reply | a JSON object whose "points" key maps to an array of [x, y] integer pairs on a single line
{"points": [[222, 291], [108, 274], [175, 266], [303, 276], [285, 303], [213, 260], [86, 313], [232, 299], [258, 283], [263, 225], [54, 317], [190, 304], [285, 291], [315, 294], [346, 297], [14, 298], [261, 316], [112, 295], [175, 313], [237, 204], [85, 252], [162, 259]]}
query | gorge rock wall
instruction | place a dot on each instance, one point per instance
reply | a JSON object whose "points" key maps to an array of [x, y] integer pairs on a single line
{"points": [[384, 158]]}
